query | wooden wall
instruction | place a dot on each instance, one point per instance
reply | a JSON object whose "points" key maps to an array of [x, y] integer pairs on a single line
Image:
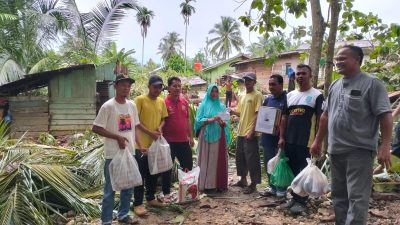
{"points": [[72, 101], [29, 113]]}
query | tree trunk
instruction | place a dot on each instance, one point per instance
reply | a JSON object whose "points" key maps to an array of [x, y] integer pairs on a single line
{"points": [[318, 31], [142, 53], [185, 45], [334, 11]]}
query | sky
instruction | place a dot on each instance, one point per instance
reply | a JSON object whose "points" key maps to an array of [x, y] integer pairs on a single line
{"points": [[208, 12]]}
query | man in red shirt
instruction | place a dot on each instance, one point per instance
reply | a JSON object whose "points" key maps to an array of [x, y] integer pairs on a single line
{"points": [[177, 131]]}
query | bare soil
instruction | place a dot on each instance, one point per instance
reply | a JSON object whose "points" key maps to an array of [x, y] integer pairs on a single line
{"points": [[234, 207]]}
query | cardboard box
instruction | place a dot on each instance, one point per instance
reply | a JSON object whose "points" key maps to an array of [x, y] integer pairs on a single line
{"points": [[268, 120]]}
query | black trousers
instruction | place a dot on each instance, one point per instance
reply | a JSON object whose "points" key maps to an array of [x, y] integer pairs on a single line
{"points": [[228, 99], [297, 155], [149, 181], [183, 152]]}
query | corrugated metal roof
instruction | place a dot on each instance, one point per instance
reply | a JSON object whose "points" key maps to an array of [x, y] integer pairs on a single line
{"points": [[338, 44], [193, 81], [37, 80], [225, 61]]}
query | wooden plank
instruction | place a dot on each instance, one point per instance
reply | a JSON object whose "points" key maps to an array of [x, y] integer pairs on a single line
{"points": [[27, 98], [30, 128], [28, 104], [77, 84], [68, 84], [74, 117], [73, 100], [53, 88], [71, 122], [57, 133], [72, 106], [30, 110], [70, 127], [61, 86], [71, 111], [34, 134], [89, 79], [29, 121], [17, 115]]}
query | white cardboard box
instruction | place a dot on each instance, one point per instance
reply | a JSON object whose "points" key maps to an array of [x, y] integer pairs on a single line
{"points": [[268, 120]]}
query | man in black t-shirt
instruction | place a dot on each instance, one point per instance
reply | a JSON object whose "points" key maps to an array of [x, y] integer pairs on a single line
{"points": [[298, 128]]}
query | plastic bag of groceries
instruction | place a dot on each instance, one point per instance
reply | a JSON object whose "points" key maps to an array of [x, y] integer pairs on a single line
{"points": [[188, 185], [273, 162], [159, 156], [282, 176], [124, 171], [310, 181]]}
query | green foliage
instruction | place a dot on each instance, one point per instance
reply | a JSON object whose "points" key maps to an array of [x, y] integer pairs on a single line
{"points": [[170, 45], [37, 181], [233, 133], [227, 36], [269, 14], [175, 63], [47, 139], [192, 116]]}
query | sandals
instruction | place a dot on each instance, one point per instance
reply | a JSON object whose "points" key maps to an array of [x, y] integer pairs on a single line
{"points": [[167, 199], [129, 220]]}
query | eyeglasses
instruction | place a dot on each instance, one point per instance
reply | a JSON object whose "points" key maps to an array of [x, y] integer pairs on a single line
{"points": [[301, 73]]}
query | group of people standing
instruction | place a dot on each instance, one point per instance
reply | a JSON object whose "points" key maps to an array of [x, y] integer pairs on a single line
{"points": [[356, 106]]}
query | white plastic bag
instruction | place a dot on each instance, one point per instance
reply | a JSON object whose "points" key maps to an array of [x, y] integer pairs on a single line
{"points": [[273, 162], [310, 181], [124, 171], [159, 156], [188, 185]]}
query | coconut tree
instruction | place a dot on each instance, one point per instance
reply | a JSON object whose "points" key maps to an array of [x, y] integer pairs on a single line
{"points": [[186, 11], [27, 31], [170, 45], [143, 17], [227, 36], [26, 40], [111, 54]]}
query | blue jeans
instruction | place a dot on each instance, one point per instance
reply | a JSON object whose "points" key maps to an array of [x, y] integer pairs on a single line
{"points": [[107, 206]]}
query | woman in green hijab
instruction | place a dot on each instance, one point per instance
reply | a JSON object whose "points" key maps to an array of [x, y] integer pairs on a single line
{"points": [[213, 139]]}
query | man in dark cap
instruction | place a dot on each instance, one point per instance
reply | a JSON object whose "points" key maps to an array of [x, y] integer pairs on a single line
{"points": [[152, 112], [117, 121], [247, 154]]}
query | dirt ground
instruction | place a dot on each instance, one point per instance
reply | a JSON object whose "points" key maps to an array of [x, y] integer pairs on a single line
{"points": [[234, 207]]}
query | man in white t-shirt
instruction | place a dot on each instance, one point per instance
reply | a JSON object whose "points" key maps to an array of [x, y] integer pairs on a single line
{"points": [[117, 121]]}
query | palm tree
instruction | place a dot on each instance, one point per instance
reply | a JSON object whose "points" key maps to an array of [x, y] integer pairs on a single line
{"points": [[28, 30], [143, 17], [170, 45], [187, 11], [111, 54], [228, 36], [35, 26]]}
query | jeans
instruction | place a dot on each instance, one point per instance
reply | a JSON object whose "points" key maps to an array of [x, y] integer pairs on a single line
{"points": [[107, 206]]}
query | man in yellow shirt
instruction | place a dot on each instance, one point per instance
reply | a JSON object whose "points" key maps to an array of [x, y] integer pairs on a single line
{"points": [[152, 112], [247, 153]]}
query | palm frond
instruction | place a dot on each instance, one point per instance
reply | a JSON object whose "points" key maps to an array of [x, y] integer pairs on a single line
{"points": [[105, 20], [5, 17], [9, 71]]}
